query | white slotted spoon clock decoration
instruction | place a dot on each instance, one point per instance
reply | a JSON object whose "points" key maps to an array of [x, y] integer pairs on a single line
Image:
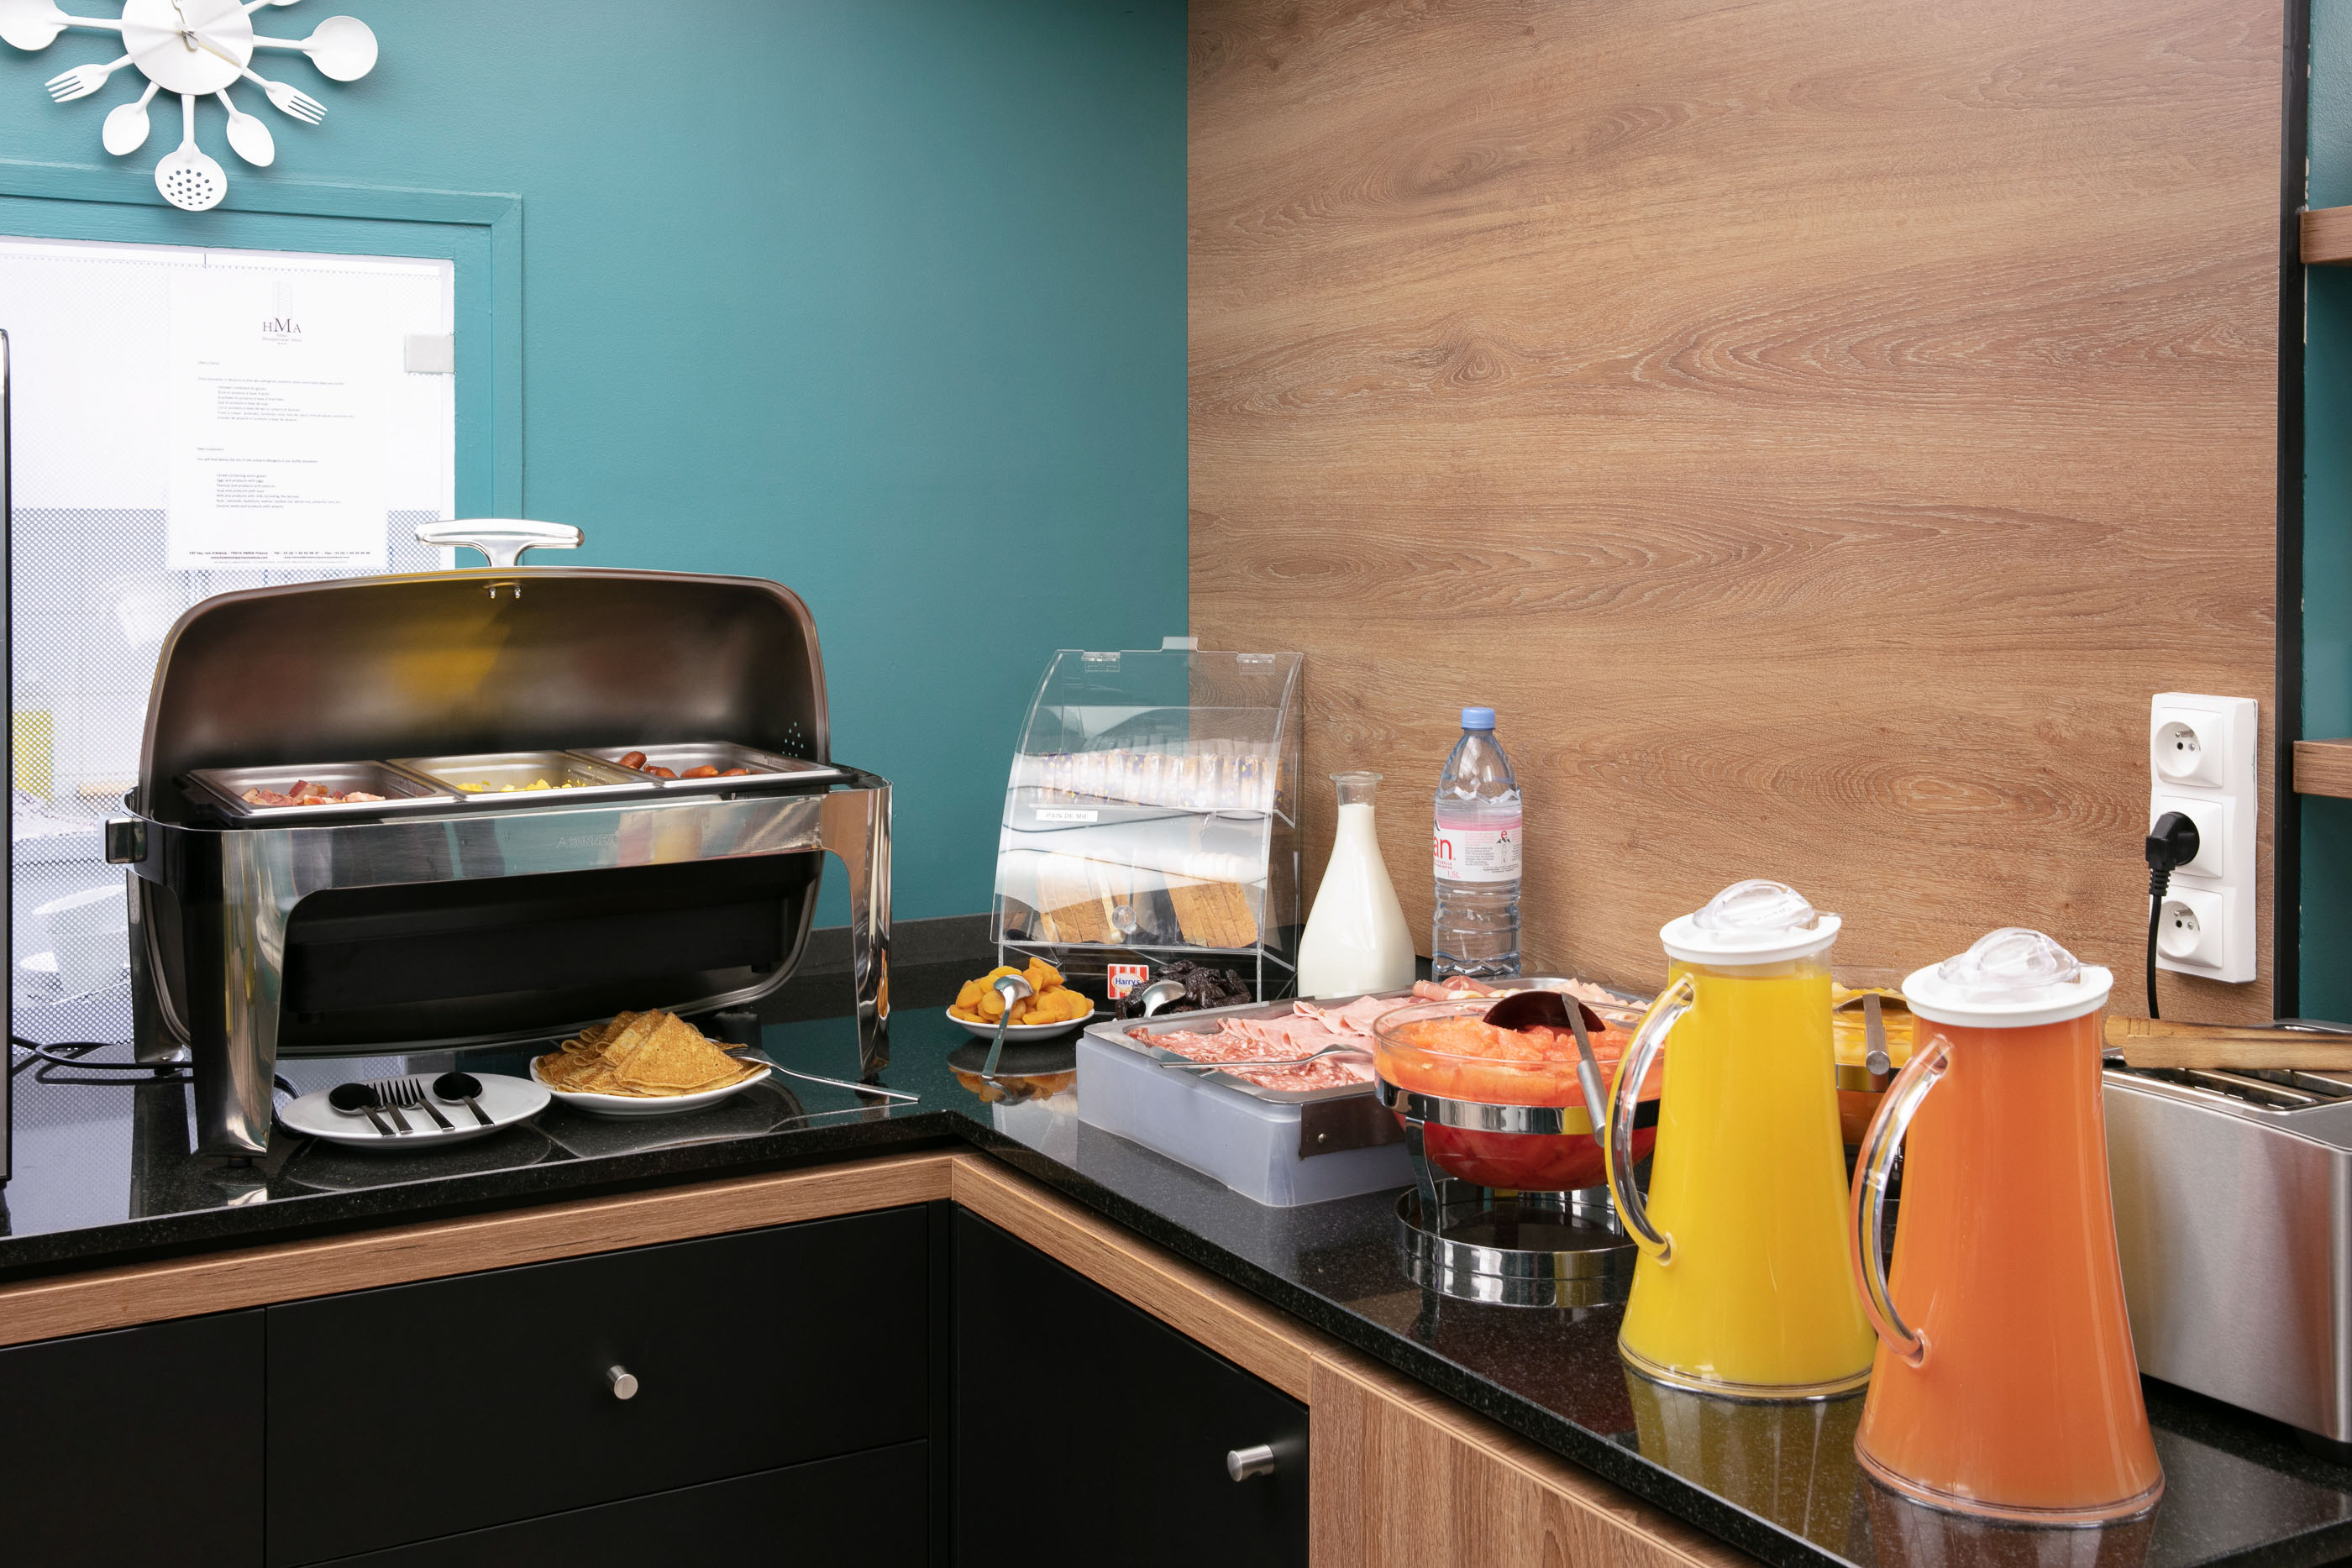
{"points": [[194, 49]]}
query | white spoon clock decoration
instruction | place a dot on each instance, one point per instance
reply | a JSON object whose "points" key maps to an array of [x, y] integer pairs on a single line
{"points": [[195, 48]]}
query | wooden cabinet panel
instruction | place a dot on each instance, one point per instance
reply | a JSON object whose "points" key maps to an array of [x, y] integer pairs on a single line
{"points": [[1404, 1478], [135, 1448], [1811, 502], [862, 1512], [484, 1399], [1088, 1432]]}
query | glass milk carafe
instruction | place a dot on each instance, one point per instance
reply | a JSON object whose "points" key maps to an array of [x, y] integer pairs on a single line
{"points": [[2005, 1385], [1356, 939], [1743, 1287]]}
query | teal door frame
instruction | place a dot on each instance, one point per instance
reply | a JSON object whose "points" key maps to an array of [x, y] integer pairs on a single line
{"points": [[479, 233]]}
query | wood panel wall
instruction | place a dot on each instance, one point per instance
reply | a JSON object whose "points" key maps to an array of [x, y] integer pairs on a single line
{"points": [[1818, 425]]}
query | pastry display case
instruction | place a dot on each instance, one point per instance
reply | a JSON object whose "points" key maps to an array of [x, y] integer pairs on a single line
{"points": [[1152, 815]]}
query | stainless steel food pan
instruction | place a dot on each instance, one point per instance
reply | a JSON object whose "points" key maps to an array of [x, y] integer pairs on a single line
{"points": [[767, 769], [226, 788], [500, 776], [1205, 1021]]}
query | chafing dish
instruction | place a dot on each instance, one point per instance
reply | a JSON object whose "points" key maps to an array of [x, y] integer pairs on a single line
{"points": [[2233, 1218], [479, 922]]}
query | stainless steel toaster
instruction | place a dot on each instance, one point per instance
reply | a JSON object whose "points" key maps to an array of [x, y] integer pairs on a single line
{"points": [[2234, 1209]]}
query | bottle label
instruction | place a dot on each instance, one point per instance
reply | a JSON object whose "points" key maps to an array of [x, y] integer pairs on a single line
{"points": [[1488, 852]]}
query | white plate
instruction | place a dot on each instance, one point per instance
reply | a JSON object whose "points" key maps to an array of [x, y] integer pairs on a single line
{"points": [[1020, 1031], [646, 1105], [507, 1100]]}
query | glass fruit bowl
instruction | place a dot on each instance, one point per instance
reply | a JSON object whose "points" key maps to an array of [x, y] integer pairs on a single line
{"points": [[1446, 1051]]}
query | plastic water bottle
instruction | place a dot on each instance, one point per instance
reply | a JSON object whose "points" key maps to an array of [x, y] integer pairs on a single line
{"points": [[1476, 929]]}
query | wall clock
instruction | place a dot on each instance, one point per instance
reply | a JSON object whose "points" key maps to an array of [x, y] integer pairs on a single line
{"points": [[192, 47]]}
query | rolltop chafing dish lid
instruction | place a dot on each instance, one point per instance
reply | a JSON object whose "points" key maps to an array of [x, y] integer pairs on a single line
{"points": [[538, 658]]}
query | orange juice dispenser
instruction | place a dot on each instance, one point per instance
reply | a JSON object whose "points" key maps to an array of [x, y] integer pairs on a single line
{"points": [[2005, 1385], [1743, 1286]]}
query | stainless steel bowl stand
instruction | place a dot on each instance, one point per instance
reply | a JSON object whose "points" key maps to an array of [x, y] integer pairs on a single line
{"points": [[1505, 1248]]}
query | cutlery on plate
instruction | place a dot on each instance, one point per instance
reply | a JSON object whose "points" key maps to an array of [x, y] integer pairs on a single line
{"points": [[834, 1082], [463, 1086], [356, 1099], [409, 1093], [342, 48], [82, 80], [126, 124], [249, 135]]}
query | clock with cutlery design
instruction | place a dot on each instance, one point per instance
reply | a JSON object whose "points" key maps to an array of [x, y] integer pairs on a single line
{"points": [[194, 49]]}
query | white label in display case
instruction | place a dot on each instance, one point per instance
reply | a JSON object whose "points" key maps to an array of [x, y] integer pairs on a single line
{"points": [[1489, 853], [278, 403], [1060, 814]]}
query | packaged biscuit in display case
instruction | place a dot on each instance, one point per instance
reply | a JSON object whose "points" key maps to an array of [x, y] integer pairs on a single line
{"points": [[1151, 817]]}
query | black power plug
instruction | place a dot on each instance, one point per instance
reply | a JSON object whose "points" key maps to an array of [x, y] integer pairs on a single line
{"points": [[2171, 844]]}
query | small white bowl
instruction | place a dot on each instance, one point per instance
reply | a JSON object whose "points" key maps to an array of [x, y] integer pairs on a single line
{"points": [[1026, 1030], [642, 1105]]}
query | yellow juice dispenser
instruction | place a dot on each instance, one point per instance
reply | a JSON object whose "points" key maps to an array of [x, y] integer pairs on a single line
{"points": [[1742, 1288]]}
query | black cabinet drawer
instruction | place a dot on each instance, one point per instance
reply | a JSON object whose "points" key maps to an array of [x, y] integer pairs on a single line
{"points": [[418, 1411], [1065, 1391], [862, 1512], [134, 1448]]}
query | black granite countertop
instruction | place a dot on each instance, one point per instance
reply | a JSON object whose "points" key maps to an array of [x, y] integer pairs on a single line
{"points": [[104, 1176]]}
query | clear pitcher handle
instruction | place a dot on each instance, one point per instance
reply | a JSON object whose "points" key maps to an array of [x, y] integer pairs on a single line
{"points": [[1872, 1169], [1625, 1103]]}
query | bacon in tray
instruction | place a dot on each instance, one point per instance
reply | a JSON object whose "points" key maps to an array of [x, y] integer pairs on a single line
{"points": [[305, 793]]}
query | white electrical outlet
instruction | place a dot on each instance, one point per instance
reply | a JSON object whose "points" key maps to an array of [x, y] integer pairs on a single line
{"points": [[2201, 763]]}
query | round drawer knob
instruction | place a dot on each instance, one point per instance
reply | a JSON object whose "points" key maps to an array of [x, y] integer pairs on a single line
{"points": [[623, 1381], [1243, 1463]]}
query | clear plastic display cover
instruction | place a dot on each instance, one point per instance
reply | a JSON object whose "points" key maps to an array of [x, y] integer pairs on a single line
{"points": [[1151, 814]]}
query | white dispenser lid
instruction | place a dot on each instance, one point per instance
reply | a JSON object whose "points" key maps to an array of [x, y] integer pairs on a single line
{"points": [[2011, 978], [1752, 921]]}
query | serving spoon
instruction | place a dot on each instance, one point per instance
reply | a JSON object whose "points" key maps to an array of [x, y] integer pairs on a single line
{"points": [[1012, 987], [463, 1086], [1549, 1009], [357, 1099]]}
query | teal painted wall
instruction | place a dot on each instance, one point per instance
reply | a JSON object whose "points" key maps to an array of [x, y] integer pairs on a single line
{"points": [[2327, 529], [881, 299]]}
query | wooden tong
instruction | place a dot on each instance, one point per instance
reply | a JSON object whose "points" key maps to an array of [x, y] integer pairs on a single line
{"points": [[2152, 1042]]}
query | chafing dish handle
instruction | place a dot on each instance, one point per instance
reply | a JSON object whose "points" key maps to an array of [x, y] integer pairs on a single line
{"points": [[502, 540]]}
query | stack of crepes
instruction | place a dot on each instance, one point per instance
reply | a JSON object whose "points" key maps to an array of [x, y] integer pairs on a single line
{"points": [[652, 1055], [1309, 1028]]}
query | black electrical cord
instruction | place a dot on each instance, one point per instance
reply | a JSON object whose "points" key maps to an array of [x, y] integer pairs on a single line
{"points": [[2171, 844], [44, 1060]]}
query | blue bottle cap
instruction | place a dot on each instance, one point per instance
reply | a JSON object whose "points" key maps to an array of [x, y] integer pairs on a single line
{"points": [[1477, 719]]}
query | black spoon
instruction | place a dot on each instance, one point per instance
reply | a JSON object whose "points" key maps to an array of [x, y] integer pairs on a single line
{"points": [[352, 1099], [463, 1086]]}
